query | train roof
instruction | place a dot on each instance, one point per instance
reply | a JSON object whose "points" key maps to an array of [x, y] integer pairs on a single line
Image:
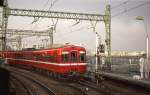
{"points": [[55, 46]]}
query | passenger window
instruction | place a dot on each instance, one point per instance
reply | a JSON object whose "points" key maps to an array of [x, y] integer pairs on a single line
{"points": [[82, 56], [73, 56], [38, 56], [19, 56], [65, 56]]}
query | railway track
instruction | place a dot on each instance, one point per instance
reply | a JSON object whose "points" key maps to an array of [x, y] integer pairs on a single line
{"points": [[94, 86], [32, 86], [86, 89], [120, 85], [18, 84], [56, 86], [110, 84], [62, 87]]}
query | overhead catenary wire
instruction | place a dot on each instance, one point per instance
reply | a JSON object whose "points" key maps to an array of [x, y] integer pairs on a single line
{"points": [[72, 31], [117, 6], [130, 9], [121, 4], [51, 5], [92, 25], [54, 23], [126, 10], [62, 36], [76, 23], [79, 30], [37, 18]]}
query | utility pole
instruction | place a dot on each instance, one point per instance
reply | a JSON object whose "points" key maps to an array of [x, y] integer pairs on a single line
{"points": [[51, 29], [4, 25], [147, 41], [19, 39], [107, 21], [98, 43], [96, 50]]}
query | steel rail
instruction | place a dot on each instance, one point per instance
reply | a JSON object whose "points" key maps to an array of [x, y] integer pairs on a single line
{"points": [[27, 89], [37, 82]]}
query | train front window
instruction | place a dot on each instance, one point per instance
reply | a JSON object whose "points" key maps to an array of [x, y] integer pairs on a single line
{"points": [[73, 56], [82, 56], [65, 56]]}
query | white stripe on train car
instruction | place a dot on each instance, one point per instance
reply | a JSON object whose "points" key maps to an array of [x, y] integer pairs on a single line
{"points": [[59, 64]]}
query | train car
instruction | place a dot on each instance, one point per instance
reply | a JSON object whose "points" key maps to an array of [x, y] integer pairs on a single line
{"points": [[64, 59]]}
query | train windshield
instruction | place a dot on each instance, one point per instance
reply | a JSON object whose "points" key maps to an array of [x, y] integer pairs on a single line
{"points": [[82, 56], [74, 56], [65, 56]]}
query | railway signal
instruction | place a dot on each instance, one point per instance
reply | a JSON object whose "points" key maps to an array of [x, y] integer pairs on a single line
{"points": [[101, 48]]}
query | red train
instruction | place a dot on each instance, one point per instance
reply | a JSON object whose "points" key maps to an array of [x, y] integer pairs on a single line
{"points": [[59, 60]]}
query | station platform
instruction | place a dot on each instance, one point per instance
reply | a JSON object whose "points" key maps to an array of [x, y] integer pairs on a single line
{"points": [[142, 83]]}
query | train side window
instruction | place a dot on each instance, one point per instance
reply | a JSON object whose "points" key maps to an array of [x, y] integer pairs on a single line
{"points": [[82, 56], [65, 56], [73, 56], [18, 55], [37, 56]]}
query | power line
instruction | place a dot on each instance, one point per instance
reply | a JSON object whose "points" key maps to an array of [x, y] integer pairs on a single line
{"points": [[73, 31], [119, 5], [127, 10], [76, 23], [123, 3], [37, 18], [54, 23], [78, 30], [51, 5], [45, 4]]}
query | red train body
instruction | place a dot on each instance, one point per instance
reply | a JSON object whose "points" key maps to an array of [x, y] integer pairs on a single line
{"points": [[62, 60]]}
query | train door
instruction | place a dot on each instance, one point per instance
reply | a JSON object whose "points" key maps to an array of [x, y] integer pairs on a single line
{"points": [[74, 60], [65, 60]]}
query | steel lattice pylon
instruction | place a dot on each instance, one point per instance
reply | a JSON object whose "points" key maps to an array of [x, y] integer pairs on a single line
{"points": [[27, 32], [54, 14]]}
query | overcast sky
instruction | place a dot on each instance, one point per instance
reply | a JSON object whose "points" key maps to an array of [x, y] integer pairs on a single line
{"points": [[127, 33]]}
